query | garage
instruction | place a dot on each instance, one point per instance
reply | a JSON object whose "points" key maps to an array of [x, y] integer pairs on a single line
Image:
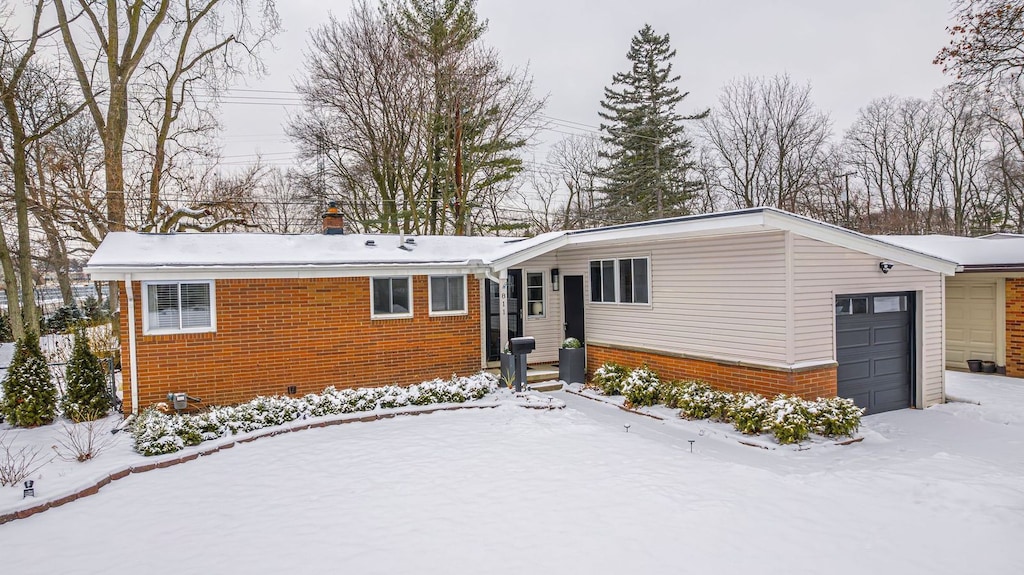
{"points": [[971, 308], [874, 349]]}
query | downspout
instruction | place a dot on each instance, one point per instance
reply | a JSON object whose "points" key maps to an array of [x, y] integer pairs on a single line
{"points": [[132, 355]]}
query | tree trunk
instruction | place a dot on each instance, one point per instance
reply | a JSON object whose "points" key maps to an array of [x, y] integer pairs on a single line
{"points": [[11, 288], [29, 312]]}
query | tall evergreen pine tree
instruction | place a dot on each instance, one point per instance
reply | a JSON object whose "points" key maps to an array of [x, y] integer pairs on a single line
{"points": [[86, 397], [30, 397], [648, 152]]}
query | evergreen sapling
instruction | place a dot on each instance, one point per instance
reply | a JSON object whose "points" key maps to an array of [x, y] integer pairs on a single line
{"points": [[86, 398], [30, 396]]}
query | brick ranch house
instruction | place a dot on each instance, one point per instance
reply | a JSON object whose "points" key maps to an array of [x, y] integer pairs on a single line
{"points": [[984, 300], [756, 299]]}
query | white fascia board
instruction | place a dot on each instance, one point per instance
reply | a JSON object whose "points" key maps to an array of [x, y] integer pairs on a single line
{"points": [[725, 224], [858, 242], [117, 273], [516, 258]]}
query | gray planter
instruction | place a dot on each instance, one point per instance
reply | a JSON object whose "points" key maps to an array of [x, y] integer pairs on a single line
{"points": [[508, 369], [572, 364]]}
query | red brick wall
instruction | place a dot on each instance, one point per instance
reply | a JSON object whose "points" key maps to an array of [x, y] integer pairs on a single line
{"points": [[310, 333], [1015, 327], [809, 384]]}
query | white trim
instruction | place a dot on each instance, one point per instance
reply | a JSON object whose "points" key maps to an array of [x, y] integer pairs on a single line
{"points": [[146, 330], [430, 297], [403, 315], [856, 241], [172, 273], [133, 356]]}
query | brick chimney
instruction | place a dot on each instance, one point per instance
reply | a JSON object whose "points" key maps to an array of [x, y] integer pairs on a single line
{"points": [[334, 222]]}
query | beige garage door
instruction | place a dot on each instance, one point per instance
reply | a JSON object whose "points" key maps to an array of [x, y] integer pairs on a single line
{"points": [[970, 321]]}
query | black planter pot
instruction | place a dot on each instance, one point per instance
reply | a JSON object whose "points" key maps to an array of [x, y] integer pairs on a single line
{"points": [[974, 365], [572, 364], [988, 366], [507, 372]]}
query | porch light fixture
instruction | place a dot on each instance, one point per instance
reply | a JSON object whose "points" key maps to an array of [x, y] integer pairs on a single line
{"points": [[554, 279]]}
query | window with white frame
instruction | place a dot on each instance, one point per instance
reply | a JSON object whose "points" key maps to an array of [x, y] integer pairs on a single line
{"points": [[625, 280], [392, 297], [535, 294], [447, 295], [178, 307]]}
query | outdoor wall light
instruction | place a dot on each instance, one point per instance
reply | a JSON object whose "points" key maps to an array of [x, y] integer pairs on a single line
{"points": [[885, 266], [554, 279]]}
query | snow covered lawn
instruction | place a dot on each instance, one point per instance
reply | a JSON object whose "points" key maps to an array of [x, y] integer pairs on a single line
{"points": [[512, 490]]}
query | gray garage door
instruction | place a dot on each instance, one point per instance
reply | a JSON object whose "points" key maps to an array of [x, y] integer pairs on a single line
{"points": [[873, 348]]}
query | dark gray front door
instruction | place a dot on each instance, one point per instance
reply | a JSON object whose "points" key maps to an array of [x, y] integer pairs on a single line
{"points": [[572, 294], [874, 348]]}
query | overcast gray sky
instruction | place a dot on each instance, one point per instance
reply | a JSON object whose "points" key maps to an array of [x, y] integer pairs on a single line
{"points": [[850, 52]]}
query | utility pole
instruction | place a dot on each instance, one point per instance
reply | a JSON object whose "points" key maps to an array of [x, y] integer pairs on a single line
{"points": [[846, 198], [657, 176]]}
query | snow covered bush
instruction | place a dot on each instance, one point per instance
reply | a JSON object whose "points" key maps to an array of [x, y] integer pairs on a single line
{"points": [[750, 413], [836, 416], [571, 343], [157, 433], [609, 378], [698, 400], [791, 419], [641, 387], [86, 396], [30, 397]]}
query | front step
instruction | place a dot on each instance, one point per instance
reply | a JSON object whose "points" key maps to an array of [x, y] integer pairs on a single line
{"points": [[544, 386]]}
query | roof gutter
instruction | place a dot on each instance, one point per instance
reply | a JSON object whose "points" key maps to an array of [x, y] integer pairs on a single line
{"points": [[179, 272]]}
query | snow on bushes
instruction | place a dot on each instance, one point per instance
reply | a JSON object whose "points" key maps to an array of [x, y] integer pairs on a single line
{"points": [[609, 378], [698, 400], [790, 419], [641, 387], [157, 433]]}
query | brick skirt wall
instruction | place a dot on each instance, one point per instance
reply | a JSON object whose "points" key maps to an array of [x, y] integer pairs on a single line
{"points": [[310, 333], [1015, 327], [809, 384]]}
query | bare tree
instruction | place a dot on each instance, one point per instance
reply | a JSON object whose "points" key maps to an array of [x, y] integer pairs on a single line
{"points": [[768, 139], [963, 145], [32, 111], [404, 143], [283, 207], [987, 41]]}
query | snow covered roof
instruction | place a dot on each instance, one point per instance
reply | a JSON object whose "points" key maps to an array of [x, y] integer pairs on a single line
{"points": [[195, 255], [125, 252], [995, 252]]}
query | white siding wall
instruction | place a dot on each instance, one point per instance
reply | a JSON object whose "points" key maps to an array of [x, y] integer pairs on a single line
{"points": [[548, 329], [722, 298], [822, 271]]}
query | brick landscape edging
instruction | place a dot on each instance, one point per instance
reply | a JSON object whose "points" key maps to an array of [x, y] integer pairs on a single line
{"points": [[270, 432]]}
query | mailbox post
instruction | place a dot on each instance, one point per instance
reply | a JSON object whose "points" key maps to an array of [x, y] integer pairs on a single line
{"points": [[520, 347]]}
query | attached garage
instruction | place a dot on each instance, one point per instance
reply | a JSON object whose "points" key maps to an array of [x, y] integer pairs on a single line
{"points": [[874, 350]]}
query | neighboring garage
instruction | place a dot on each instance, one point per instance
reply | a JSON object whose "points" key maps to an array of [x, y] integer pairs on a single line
{"points": [[985, 299], [874, 349], [974, 306]]}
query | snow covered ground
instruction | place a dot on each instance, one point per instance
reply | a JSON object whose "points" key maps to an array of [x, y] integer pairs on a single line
{"points": [[511, 490]]}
